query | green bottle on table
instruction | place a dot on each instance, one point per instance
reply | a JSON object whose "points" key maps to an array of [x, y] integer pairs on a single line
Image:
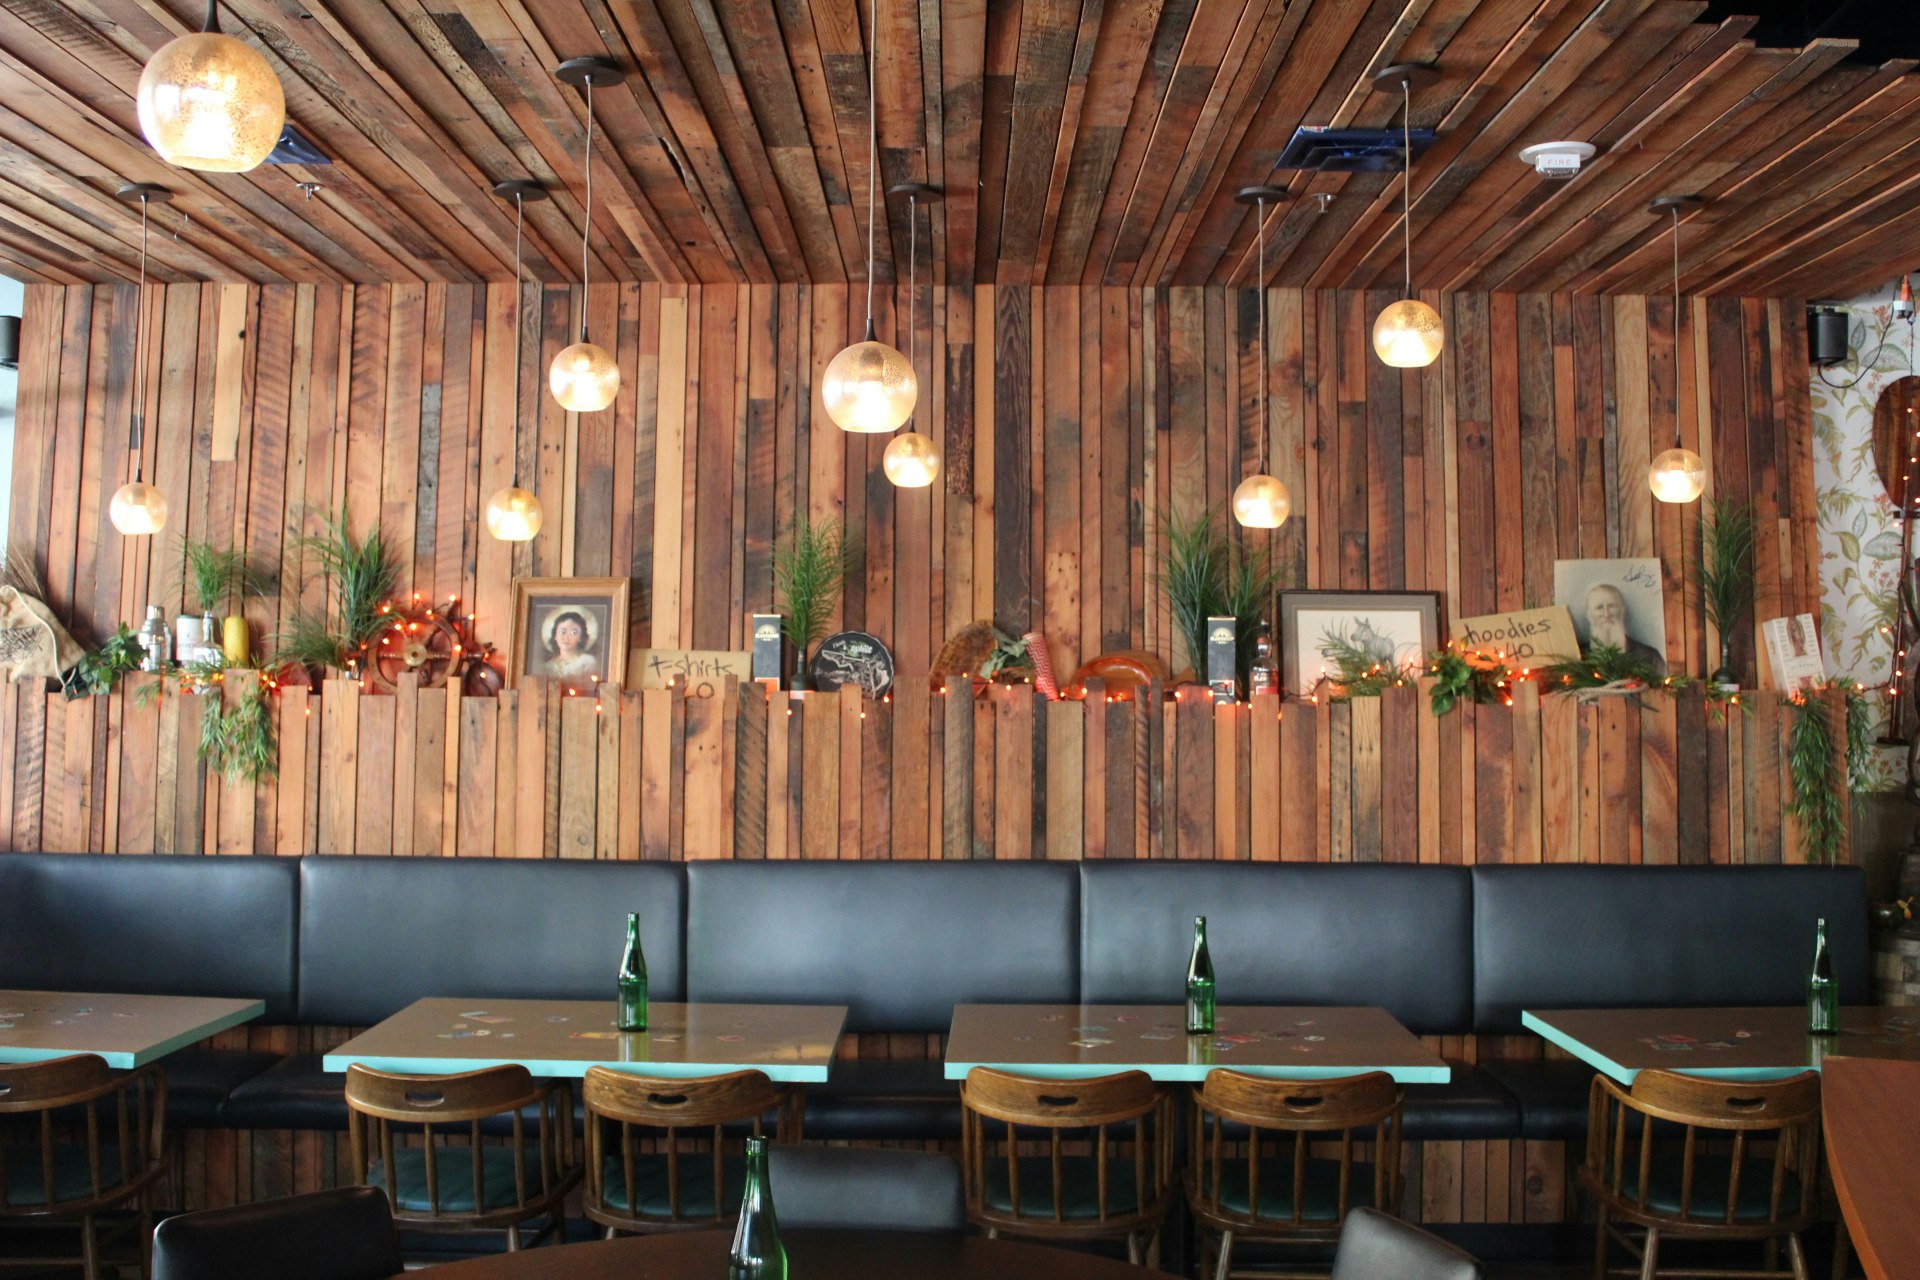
{"points": [[757, 1252], [632, 1015], [1823, 993], [1200, 982]]}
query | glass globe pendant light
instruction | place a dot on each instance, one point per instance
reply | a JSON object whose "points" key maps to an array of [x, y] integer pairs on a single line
{"points": [[138, 509], [1679, 474], [584, 377], [870, 386], [208, 101], [912, 461], [514, 514], [1408, 334], [1261, 501]]}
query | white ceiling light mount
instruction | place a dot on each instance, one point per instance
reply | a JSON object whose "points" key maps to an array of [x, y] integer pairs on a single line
{"points": [[1558, 161]]}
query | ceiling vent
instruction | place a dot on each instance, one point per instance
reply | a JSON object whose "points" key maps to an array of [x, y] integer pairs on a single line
{"points": [[294, 148], [1557, 160], [1350, 150]]}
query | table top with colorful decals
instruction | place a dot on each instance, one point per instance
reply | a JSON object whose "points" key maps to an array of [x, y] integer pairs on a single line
{"points": [[1727, 1044], [126, 1031], [565, 1037], [1284, 1041]]}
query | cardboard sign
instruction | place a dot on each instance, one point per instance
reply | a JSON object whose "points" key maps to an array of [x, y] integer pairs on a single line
{"points": [[701, 672], [1528, 637]]}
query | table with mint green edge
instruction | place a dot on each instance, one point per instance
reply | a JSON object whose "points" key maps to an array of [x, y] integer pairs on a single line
{"points": [[1722, 1044], [125, 1031], [1287, 1042], [562, 1038]]}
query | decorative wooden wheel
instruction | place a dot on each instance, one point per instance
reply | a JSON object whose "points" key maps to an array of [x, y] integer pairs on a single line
{"points": [[429, 641]]}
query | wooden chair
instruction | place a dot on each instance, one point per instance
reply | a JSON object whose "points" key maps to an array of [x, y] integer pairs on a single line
{"points": [[1107, 1169], [1276, 1188], [453, 1179], [67, 1168], [1691, 1158], [675, 1186]]}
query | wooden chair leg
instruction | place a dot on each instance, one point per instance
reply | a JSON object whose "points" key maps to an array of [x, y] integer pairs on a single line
{"points": [[89, 1259], [146, 1234], [1650, 1256], [1797, 1257], [1225, 1267], [1600, 1244], [513, 1238], [612, 1234], [1133, 1248], [1153, 1249], [1842, 1249], [1772, 1257]]}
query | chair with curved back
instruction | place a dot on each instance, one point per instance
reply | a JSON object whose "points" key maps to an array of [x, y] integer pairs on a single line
{"points": [[1118, 1188], [73, 1161], [1684, 1157], [675, 1186], [343, 1234], [453, 1180], [1374, 1245], [1253, 1171], [866, 1189]]}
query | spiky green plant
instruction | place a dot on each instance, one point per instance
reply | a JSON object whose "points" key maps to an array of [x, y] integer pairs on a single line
{"points": [[1206, 574], [1725, 573], [240, 744], [810, 566], [217, 577], [361, 576]]}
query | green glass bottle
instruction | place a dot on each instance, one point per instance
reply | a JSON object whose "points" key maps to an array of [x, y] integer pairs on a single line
{"points": [[757, 1251], [1823, 993], [632, 1015], [1200, 982]]}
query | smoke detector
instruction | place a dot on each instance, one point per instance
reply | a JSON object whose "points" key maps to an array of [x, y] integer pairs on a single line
{"points": [[1557, 160]]}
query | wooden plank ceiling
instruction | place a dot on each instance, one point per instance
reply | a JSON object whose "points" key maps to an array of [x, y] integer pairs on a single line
{"points": [[1095, 141]]}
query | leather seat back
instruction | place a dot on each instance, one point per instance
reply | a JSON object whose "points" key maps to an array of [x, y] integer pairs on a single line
{"points": [[854, 1189], [898, 943], [155, 925], [1374, 1246], [376, 934], [343, 1234], [1586, 937], [1396, 936]]}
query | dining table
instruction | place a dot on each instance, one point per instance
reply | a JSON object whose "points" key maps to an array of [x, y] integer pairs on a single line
{"points": [[1723, 1043], [1870, 1116], [841, 1255], [126, 1031], [562, 1038], [1290, 1042]]}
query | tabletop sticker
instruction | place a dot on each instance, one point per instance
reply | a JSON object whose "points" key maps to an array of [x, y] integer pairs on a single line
{"points": [[1240, 1038], [1314, 1039], [594, 1035], [1092, 1043], [1127, 1017], [558, 1017], [484, 1016], [1668, 1046], [1223, 1044], [6, 1026], [665, 1039], [730, 1039], [1156, 1035], [456, 1035], [1679, 1039], [1743, 1035], [1716, 1044], [1088, 1031]]}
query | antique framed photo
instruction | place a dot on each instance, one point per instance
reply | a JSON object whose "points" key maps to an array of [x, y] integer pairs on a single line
{"points": [[1396, 629], [572, 631], [1616, 603]]}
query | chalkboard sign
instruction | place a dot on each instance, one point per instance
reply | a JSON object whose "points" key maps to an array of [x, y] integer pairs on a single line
{"points": [[853, 658]]}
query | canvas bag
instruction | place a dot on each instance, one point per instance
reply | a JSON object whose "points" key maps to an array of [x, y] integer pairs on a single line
{"points": [[32, 641]]}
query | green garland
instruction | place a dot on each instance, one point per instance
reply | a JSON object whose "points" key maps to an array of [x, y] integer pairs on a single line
{"points": [[1815, 801], [1357, 674], [241, 744], [1604, 667], [1463, 675], [100, 669]]}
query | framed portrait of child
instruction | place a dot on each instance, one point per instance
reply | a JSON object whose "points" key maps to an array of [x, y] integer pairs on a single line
{"points": [[572, 631]]}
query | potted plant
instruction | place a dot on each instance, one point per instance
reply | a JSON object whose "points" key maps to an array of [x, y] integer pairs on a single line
{"points": [[1726, 576], [810, 566], [1205, 574], [219, 578], [361, 577]]}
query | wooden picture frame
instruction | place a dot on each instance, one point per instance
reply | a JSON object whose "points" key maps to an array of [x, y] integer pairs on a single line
{"points": [[1409, 621], [580, 663]]}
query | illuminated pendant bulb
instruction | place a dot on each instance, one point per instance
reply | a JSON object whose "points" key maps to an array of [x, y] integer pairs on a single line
{"points": [[514, 515], [870, 387], [1408, 334], [1261, 501], [1678, 475], [585, 378], [138, 509], [911, 461], [210, 102]]}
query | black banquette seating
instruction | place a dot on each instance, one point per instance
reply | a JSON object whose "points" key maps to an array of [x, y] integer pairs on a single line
{"points": [[344, 942]]}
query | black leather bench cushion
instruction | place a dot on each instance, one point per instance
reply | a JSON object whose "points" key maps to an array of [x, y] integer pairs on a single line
{"points": [[185, 926], [293, 1094], [884, 1099], [376, 934], [200, 1080], [1552, 1094], [1626, 937], [1284, 933], [1472, 1105], [900, 944]]}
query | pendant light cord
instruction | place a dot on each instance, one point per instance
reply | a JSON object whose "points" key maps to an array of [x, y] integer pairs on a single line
{"points": [[211, 24], [586, 227], [519, 312], [913, 280], [138, 408], [873, 147], [1676, 325], [1260, 284], [1406, 149]]}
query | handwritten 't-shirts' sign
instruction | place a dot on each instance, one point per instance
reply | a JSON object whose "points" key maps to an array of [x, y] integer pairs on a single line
{"points": [[1526, 636], [701, 672]]}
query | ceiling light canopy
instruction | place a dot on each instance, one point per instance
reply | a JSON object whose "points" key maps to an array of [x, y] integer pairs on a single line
{"points": [[584, 377], [515, 514], [208, 101], [1408, 334]]}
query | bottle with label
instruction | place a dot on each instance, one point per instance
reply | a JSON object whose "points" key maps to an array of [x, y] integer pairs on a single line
{"points": [[632, 1015], [1200, 982], [1823, 993], [1263, 672], [757, 1252]]}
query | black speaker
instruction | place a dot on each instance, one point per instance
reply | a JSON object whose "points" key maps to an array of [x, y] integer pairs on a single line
{"points": [[9, 342], [1826, 335]]}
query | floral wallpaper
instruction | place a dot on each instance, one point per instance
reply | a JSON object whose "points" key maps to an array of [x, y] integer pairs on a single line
{"points": [[1859, 527]]}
